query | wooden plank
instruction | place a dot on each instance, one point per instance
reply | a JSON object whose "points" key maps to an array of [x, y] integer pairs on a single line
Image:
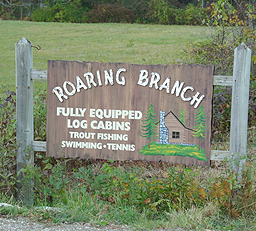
{"points": [[220, 80], [239, 109], [135, 96], [219, 155], [39, 74], [39, 146], [24, 113]]}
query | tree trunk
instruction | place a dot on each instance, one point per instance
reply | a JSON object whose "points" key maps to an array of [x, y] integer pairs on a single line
{"points": [[21, 11]]}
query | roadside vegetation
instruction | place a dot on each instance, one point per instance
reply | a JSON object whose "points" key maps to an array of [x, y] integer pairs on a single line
{"points": [[142, 195]]}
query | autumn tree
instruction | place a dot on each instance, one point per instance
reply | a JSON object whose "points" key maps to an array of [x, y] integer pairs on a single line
{"points": [[149, 127]]}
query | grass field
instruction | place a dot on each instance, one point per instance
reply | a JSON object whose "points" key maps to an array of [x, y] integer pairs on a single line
{"points": [[131, 43]]}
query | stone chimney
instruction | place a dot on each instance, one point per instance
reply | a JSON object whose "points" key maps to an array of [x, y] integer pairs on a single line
{"points": [[163, 130]]}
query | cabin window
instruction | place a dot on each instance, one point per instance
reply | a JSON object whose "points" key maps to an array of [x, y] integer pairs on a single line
{"points": [[175, 135]]}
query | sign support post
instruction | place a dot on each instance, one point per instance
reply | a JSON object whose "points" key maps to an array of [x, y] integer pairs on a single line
{"points": [[24, 113], [239, 108]]}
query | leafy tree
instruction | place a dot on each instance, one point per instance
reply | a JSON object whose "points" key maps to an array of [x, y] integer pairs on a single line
{"points": [[200, 125], [160, 10], [149, 127]]}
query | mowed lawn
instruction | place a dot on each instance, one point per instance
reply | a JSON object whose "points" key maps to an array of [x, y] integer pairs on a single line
{"points": [[132, 43]]}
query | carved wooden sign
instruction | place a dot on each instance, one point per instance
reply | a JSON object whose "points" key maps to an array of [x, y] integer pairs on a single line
{"points": [[125, 111]]}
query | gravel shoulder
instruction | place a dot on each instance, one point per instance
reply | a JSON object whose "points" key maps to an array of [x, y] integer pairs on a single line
{"points": [[23, 223], [20, 223]]}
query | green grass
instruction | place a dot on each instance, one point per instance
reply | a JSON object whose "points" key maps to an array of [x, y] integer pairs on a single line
{"points": [[174, 150], [131, 43]]}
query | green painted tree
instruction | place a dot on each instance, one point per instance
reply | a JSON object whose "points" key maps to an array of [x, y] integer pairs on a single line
{"points": [[182, 117], [149, 127], [200, 125]]}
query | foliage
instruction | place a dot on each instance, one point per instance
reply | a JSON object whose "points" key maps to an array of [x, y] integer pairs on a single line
{"points": [[142, 11], [176, 188], [40, 111], [221, 112], [111, 13], [17, 9], [7, 143], [231, 27], [112, 184], [70, 12], [50, 179], [231, 194], [162, 12], [190, 15]]}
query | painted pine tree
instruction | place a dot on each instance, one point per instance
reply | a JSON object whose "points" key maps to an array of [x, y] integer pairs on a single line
{"points": [[149, 127], [182, 117], [200, 126]]}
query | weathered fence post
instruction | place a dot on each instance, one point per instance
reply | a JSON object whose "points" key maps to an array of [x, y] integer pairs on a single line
{"points": [[24, 113], [239, 109]]}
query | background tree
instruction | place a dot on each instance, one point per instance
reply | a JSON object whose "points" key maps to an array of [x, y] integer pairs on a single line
{"points": [[149, 127], [200, 126]]}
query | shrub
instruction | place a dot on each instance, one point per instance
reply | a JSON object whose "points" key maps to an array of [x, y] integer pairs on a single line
{"points": [[140, 9], [8, 144], [195, 15], [103, 13], [60, 13], [42, 15], [40, 112], [160, 11]]}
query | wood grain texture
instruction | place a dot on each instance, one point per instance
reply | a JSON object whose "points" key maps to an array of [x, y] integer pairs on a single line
{"points": [[130, 97], [239, 109], [24, 114]]}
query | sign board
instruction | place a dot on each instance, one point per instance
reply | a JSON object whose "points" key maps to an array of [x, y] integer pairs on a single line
{"points": [[125, 111]]}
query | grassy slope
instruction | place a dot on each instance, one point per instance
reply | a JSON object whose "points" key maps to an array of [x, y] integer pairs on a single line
{"points": [[132, 43]]}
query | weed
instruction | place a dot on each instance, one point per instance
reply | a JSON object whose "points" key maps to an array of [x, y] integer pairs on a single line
{"points": [[8, 144], [40, 111], [130, 43]]}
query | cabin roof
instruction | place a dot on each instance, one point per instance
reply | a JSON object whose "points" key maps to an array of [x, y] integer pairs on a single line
{"points": [[170, 112]]}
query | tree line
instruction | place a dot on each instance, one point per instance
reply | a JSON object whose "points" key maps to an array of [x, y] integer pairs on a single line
{"points": [[190, 12]]}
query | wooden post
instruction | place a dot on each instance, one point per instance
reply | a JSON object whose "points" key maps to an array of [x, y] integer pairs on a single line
{"points": [[24, 113], [239, 109]]}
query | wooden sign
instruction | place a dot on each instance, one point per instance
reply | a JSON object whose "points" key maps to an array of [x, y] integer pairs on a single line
{"points": [[125, 111]]}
